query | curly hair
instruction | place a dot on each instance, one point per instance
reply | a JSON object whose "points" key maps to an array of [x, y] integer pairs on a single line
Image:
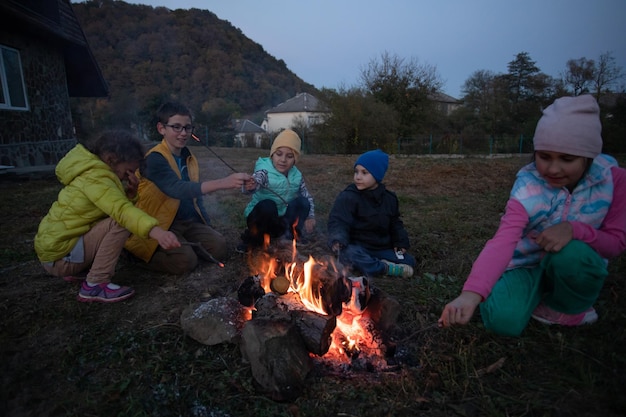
{"points": [[122, 144]]}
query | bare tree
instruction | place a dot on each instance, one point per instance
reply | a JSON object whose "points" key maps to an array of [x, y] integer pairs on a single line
{"points": [[580, 74], [606, 74]]}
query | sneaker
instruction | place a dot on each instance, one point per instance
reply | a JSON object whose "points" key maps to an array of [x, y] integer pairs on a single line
{"points": [[102, 293], [546, 315], [398, 270]]}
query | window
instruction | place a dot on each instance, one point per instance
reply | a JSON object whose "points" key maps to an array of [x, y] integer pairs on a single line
{"points": [[12, 89]]}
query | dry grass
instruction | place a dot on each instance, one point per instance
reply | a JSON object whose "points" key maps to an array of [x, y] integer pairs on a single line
{"points": [[64, 358]]}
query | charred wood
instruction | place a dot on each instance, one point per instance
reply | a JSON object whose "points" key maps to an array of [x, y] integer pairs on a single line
{"points": [[278, 358]]}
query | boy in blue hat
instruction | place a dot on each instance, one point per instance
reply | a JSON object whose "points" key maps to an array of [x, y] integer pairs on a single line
{"points": [[364, 226]]}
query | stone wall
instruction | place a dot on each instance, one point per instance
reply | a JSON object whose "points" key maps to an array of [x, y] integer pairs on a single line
{"points": [[42, 134]]}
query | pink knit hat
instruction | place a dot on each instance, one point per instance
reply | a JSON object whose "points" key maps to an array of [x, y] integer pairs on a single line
{"points": [[570, 125]]}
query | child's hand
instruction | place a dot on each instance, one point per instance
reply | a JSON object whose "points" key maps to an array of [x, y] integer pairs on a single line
{"points": [[250, 184], [132, 182], [460, 310], [238, 180], [554, 238], [166, 239]]}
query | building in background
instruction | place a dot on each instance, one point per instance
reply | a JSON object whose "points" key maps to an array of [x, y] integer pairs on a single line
{"points": [[298, 113], [44, 60], [248, 134]]}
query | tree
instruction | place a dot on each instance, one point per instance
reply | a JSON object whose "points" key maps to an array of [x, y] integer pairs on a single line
{"points": [[486, 97], [521, 72], [357, 122], [529, 90], [186, 55], [405, 86], [606, 74], [477, 90], [579, 74]]}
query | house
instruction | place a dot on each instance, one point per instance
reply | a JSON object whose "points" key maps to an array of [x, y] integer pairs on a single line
{"points": [[445, 103], [44, 60], [298, 113], [248, 134]]}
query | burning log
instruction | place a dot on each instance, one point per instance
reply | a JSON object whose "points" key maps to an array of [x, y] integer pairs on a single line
{"points": [[315, 329], [301, 308], [334, 290], [250, 291], [383, 310], [278, 358]]}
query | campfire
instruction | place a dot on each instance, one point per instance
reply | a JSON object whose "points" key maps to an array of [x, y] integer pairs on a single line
{"points": [[294, 313], [340, 320]]}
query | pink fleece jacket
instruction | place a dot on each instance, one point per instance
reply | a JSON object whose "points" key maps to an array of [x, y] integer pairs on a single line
{"points": [[609, 240]]}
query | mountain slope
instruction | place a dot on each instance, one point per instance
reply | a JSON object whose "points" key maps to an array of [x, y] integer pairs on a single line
{"points": [[149, 54]]}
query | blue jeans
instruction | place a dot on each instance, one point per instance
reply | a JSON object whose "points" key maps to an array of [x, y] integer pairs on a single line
{"points": [[368, 262]]}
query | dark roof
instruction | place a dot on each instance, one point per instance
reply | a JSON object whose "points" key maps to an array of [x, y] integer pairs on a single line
{"points": [[54, 22], [246, 126], [300, 103], [443, 98]]}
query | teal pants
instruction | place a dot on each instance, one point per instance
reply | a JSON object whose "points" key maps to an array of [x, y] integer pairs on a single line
{"points": [[568, 281]]}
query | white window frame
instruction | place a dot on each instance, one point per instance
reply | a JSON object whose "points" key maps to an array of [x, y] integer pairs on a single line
{"points": [[17, 85]]}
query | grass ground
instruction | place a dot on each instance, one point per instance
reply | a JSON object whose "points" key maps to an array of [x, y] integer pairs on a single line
{"points": [[60, 357]]}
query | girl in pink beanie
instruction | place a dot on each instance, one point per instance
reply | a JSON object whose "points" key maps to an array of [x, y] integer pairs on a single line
{"points": [[566, 216]]}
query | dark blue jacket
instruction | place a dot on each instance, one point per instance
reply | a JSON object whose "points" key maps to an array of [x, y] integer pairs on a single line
{"points": [[368, 218]]}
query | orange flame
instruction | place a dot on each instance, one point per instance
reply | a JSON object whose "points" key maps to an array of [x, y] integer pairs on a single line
{"points": [[350, 331]]}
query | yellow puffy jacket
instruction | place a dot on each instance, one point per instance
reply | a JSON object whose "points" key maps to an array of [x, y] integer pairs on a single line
{"points": [[91, 192], [158, 204]]}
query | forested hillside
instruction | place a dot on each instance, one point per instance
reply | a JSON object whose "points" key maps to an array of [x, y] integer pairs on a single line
{"points": [[148, 55]]}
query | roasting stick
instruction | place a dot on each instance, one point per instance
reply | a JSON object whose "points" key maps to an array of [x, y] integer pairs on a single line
{"points": [[423, 329], [203, 252], [197, 139], [243, 187]]}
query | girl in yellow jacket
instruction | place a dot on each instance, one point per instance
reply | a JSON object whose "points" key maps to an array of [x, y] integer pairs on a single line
{"points": [[87, 226]]}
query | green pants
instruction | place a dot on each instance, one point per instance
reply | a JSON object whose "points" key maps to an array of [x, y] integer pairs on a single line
{"points": [[568, 281]]}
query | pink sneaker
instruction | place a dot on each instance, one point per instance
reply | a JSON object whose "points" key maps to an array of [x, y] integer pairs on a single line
{"points": [[102, 293], [546, 315]]}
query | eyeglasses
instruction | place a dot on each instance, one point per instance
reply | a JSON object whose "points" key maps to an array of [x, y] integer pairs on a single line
{"points": [[179, 128]]}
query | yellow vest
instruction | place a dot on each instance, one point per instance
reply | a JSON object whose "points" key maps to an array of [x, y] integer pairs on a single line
{"points": [[158, 204]]}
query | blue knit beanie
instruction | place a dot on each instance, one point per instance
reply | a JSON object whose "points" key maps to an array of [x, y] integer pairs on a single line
{"points": [[375, 162]]}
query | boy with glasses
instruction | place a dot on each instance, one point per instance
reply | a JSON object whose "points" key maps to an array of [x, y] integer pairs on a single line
{"points": [[170, 190]]}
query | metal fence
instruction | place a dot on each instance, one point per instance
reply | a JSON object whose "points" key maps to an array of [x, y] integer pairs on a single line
{"points": [[426, 145], [418, 145], [457, 144]]}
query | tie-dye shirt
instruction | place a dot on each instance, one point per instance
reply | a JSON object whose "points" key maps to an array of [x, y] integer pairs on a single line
{"points": [[546, 205], [596, 209]]}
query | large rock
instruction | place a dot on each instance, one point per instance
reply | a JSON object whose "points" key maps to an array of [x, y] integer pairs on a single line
{"points": [[215, 321]]}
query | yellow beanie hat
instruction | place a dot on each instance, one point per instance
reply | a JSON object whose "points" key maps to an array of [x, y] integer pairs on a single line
{"points": [[287, 138]]}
